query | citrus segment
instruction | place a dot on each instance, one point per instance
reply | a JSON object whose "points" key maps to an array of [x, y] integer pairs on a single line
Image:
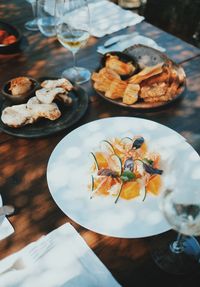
{"points": [[130, 190], [154, 184]]}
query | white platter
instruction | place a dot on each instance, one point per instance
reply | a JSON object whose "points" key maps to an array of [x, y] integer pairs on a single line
{"points": [[67, 177]]}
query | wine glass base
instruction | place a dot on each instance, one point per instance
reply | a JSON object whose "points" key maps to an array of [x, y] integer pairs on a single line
{"points": [[185, 262], [78, 75], [32, 25]]}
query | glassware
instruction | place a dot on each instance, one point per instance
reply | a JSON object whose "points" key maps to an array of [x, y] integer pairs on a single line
{"points": [[32, 24], [180, 205], [46, 17], [73, 23]]}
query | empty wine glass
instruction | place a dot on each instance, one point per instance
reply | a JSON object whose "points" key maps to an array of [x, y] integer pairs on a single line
{"points": [[73, 33], [32, 24], [46, 17], [180, 204]]}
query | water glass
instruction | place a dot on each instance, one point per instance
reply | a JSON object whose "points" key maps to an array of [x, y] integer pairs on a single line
{"points": [[46, 19], [32, 24]]}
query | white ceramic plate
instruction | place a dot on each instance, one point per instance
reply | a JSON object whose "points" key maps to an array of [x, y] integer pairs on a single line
{"points": [[67, 176]]}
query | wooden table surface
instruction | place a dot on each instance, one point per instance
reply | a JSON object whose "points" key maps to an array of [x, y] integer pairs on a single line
{"points": [[23, 162]]}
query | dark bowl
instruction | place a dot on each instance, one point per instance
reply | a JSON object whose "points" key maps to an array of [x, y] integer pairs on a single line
{"points": [[124, 58], [11, 30], [22, 98]]}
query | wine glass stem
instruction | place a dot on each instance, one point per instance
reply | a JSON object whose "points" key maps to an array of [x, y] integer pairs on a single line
{"points": [[177, 246], [74, 59], [34, 8]]}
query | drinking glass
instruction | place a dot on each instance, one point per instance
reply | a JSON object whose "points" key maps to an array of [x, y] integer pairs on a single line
{"points": [[180, 204], [46, 17], [72, 28], [32, 24]]}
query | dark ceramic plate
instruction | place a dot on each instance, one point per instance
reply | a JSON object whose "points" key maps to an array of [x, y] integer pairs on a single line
{"points": [[44, 127], [11, 30], [147, 56]]}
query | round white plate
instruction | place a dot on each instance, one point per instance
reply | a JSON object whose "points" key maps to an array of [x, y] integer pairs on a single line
{"points": [[68, 176]]}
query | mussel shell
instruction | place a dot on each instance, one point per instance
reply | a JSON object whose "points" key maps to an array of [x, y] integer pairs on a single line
{"points": [[124, 58]]}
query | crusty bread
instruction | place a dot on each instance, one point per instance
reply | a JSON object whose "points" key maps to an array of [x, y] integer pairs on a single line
{"points": [[60, 83], [20, 86]]}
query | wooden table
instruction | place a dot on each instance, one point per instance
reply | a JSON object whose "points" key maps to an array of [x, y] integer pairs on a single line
{"points": [[23, 162]]}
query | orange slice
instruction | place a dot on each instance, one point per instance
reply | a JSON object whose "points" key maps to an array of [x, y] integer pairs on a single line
{"points": [[130, 190], [154, 184], [101, 160]]}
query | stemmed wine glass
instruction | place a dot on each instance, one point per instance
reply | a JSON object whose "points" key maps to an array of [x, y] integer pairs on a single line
{"points": [[72, 28], [180, 204], [32, 24]]}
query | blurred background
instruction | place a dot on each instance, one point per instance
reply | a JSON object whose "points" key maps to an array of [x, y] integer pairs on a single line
{"points": [[178, 17]]}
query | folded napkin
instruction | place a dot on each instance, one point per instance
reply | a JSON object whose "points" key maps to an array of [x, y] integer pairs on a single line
{"points": [[107, 17], [68, 263], [136, 39], [6, 229]]}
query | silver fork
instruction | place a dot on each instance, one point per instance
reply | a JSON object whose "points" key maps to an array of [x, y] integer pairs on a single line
{"points": [[30, 255]]}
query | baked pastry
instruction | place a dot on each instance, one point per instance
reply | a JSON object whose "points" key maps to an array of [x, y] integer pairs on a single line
{"points": [[104, 78], [20, 115], [116, 89], [20, 86], [130, 95], [146, 73], [121, 68], [47, 96], [17, 116], [60, 83], [41, 110]]}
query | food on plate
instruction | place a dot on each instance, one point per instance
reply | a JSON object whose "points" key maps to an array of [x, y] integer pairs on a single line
{"points": [[130, 95], [116, 90], [55, 89], [125, 168], [162, 87], [40, 106], [104, 78], [152, 84], [60, 83], [65, 99], [146, 73], [17, 116], [47, 96], [6, 39], [20, 115], [114, 63], [41, 110], [20, 86]]}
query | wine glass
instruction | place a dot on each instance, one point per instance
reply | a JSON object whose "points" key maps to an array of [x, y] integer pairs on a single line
{"points": [[180, 204], [46, 17], [73, 33], [32, 24]]}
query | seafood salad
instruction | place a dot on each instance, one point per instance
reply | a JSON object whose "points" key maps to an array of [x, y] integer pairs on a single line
{"points": [[124, 168]]}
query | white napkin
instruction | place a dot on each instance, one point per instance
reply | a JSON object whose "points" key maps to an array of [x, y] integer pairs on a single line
{"points": [[69, 263], [107, 17], [122, 45], [6, 229]]}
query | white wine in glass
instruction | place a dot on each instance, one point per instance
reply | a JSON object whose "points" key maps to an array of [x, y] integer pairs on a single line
{"points": [[73, 33], [180, 205]]}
